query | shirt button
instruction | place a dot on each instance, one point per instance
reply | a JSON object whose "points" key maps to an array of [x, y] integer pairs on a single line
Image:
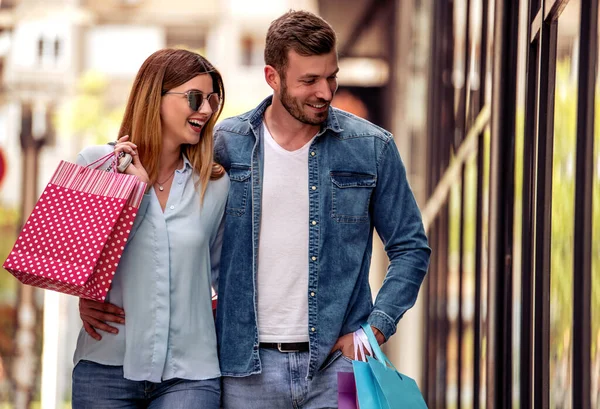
{"points": [[172, 207], [314, 223], [312, 294], [314, 188], [312, 154], [313, 329], [313, 258]]}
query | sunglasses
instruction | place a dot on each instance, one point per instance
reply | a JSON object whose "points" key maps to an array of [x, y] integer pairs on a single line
{"points": [[196, 99]]}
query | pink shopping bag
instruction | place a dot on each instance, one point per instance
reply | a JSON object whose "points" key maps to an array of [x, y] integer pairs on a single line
{"points": [[347, 391], [77, 231]]}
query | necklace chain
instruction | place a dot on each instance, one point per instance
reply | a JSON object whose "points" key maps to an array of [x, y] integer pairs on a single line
{"points": [[160, 184], [167, 179]]}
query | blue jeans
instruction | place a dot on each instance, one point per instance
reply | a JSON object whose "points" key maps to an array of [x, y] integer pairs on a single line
{"points": [[282, 384], [97, 386]]}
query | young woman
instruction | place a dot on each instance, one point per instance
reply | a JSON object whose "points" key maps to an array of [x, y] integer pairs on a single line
{"points": [[164, 355]]}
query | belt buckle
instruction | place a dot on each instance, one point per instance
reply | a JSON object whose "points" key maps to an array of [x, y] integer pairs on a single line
{"points": [[286, 350]]}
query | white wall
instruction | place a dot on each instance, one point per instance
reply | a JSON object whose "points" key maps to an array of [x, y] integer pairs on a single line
{"points": [[120, 50]]}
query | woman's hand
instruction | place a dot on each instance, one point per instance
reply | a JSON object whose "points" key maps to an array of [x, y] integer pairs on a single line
{"points": [[136, 168]]}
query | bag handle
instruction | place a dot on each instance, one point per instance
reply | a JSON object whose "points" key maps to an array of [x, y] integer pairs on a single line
{"points": [[379, 355], [360, 344], [101, 161]]}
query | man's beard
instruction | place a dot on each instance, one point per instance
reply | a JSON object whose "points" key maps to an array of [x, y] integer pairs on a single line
{"points": [[294, 108]]}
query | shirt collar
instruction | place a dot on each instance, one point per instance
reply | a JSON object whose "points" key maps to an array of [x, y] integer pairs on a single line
{"points": [[186, 162]]}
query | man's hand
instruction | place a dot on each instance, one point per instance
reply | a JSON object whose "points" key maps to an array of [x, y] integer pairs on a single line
{"points": [[346, 343], [94, 314]]}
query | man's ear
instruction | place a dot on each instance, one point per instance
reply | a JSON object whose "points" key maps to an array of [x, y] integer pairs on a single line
{"points": [[272, 77]]}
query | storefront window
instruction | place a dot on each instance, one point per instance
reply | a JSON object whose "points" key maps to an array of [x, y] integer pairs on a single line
{"points": [[563, 207]]}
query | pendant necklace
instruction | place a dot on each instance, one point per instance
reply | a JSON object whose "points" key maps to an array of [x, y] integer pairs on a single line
{"points": [[160, 184]]}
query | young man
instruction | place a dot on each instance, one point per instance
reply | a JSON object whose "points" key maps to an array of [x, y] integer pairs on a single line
{"points": [[309, 183]]}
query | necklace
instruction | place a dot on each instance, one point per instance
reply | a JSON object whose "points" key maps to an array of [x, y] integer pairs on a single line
{"points": [[160, 184]]}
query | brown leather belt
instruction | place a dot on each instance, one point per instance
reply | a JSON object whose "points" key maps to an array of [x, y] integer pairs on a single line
{"points": [[286, 346]]}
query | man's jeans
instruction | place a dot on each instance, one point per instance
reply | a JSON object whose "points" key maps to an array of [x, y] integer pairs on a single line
{"points": [[101, 386], [283, 384]]}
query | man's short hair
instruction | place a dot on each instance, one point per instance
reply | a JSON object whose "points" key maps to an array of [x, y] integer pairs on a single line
{"points": [[301, 31]]}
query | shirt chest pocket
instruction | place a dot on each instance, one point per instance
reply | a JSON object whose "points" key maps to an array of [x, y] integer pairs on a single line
{"points": [[239, 177], [351, 195]]}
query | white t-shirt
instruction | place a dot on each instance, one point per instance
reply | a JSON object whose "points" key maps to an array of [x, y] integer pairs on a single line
{"points": [[283, 244]]}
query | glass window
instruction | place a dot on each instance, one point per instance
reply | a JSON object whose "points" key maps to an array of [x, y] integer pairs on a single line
{"points": [[563, 207]]}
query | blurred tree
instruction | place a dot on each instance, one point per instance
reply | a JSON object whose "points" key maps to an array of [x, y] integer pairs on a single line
{"points": [[563, 207], [9, 219], [87, 117]]}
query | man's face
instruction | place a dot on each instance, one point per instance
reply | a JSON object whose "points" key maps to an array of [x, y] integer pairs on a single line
{"points": [[308, 86]]}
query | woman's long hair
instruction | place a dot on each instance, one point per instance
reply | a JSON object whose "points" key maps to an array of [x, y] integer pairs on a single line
{"points": [[161, 72]]}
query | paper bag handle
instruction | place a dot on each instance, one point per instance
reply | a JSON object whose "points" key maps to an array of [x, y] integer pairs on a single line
{"points": [[379, 355]]}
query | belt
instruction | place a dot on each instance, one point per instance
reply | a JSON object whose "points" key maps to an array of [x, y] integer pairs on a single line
{"points": [[286, 346]]}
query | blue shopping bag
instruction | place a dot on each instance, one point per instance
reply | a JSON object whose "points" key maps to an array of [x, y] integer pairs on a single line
{"points": [[380, 386]]}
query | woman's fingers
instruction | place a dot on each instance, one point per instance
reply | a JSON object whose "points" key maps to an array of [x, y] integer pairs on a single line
{"points": [[136, 168], [136, 160], [127, 147], [123, 145]]}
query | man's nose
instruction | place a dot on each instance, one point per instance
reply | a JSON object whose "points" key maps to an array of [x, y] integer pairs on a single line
{"points": [[324, 91]]}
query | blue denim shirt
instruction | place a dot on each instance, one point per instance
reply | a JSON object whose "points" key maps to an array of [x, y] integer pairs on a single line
{"points": [[357, 182]]}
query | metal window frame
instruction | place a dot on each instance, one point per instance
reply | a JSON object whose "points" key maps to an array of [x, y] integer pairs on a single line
{"points": [[502, 168], [479, 104], [582, 257]]}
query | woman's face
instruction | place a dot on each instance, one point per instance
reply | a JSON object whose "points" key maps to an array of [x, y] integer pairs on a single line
{"points": [[180, 124]]}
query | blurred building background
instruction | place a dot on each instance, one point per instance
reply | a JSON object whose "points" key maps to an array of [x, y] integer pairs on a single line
{"points": [[493, 106]]}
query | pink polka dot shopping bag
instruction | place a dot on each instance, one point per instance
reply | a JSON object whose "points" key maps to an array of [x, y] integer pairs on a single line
{"points": [[78, 229]]}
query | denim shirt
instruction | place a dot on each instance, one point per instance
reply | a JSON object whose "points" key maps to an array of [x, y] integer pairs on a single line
{"points": [[356, 182]]}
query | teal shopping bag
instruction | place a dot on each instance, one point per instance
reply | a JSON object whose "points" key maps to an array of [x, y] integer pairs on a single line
{"points": [[367, 391], [380, 386]]}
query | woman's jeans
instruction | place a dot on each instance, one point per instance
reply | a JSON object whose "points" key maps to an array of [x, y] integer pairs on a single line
{"points": [[97, 386]]}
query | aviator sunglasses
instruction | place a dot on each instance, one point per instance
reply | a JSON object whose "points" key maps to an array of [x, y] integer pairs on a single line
{"points": [[196, 99]]}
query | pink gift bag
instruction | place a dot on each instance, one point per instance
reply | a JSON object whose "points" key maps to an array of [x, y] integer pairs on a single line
{"points": [[346, 391], [74, 238]]}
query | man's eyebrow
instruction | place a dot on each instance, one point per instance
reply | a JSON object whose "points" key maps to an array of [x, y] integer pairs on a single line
{"points": [[317, 75]]}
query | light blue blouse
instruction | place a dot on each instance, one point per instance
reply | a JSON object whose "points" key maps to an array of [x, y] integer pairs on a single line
{"points": [[163, 283]]}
